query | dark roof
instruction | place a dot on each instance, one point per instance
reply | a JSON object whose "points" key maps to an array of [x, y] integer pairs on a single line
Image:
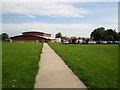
{"points": [[28, 35], [34, 32]]}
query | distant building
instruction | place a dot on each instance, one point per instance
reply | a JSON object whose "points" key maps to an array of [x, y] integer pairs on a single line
{"points": [[32, 36], [58, 39]]}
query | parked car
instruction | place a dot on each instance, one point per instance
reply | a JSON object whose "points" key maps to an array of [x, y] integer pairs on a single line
{"points": [[65, 42], [109, 42], [92, 42], [115, 42], [104, 42], [118, 42]]}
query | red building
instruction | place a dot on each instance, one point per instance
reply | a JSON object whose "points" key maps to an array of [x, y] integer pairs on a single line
{"points": [[32, 36]]}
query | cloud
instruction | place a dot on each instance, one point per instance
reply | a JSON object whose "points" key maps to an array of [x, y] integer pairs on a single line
{"points": [[66, 29], [82, 30], [33, 9]]}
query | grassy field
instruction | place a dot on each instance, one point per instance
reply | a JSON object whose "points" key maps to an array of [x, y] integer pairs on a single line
{"points": [[20, 64], [0, 65], [95, 65]]}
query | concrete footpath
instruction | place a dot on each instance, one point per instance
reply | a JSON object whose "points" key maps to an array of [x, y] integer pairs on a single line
{"points": [[54, 73]]}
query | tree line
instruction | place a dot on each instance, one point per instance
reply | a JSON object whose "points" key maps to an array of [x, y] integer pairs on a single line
{"points": [[100, 34]]}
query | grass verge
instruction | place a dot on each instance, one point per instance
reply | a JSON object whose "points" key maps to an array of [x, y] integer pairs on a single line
{"points": [[95, 65], [20, 64]]}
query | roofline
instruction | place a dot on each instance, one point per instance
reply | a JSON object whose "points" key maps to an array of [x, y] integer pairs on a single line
{"points": [[34, 32]]}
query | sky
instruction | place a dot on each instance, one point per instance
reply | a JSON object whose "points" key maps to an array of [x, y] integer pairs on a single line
{"points": [[70, 18]]}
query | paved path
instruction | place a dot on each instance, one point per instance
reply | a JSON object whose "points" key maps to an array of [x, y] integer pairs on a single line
{"points": [[54, 73]]}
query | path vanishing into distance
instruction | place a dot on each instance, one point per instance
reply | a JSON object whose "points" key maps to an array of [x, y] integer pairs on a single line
{"points": [[54, 73]]}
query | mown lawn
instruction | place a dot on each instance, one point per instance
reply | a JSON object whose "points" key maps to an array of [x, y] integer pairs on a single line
{"points": [[20, 64], [0, 65], [95, 65]]}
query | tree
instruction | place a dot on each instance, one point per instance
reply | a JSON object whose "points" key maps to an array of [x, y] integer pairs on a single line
{"points": [[98, 34], [116, 36], [119, 36], [111, 35], [58, 35], [102, 34], [4, 37]]}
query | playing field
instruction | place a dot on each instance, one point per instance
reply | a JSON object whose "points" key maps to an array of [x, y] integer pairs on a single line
{"points": [[20, 64], [95, 65]]}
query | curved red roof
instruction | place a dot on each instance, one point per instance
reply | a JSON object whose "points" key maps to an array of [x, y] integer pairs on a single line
{"points": [[34, 32]]}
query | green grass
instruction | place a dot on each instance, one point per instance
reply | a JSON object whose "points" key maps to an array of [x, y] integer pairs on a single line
{"points": [[95, 65], [0, 65], [20, 64]]}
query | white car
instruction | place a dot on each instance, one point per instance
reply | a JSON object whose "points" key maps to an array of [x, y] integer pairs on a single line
{"points": [[65, 42]]}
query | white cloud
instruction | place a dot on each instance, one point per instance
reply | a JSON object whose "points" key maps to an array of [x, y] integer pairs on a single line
{"points": [[66, 29], [48, 9], [82, 30]]}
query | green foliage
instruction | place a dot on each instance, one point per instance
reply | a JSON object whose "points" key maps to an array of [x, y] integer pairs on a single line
{"points": [[58, 35], [102, 34], [111, 35], [4, 37], [95, 65], [20, 64], [119, 36], [0, 65], [98, 34]]}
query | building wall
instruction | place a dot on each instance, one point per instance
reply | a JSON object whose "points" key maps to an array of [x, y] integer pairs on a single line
{"points": [[37, 33], [29, 38]]}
